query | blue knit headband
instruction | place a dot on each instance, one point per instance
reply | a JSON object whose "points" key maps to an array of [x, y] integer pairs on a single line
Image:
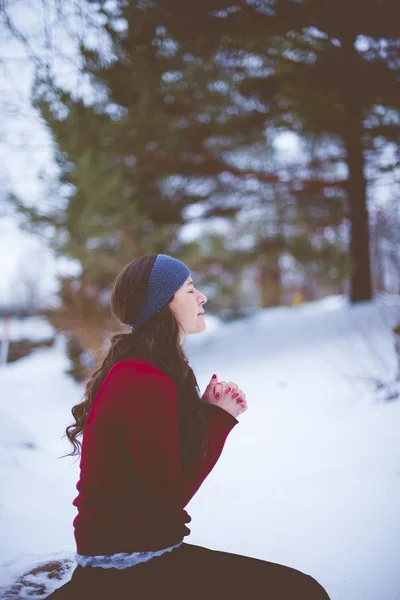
{"points": [[167, 276]]}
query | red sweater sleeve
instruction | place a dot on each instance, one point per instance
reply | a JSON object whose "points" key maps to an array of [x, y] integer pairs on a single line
{"points": [[219, 424], [148, 410]]}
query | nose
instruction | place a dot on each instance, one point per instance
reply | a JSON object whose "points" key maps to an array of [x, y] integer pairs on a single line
{"points": [[202, 299]]}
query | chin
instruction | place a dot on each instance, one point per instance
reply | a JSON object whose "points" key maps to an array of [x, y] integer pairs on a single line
{"points": [[198, 328], [201, 327]]}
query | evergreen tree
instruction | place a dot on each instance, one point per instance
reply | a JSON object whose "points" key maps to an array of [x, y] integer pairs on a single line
{"points": [[321, 68]]}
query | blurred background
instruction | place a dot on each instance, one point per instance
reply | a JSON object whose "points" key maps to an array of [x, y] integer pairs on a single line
{"points": [[259, 142]]}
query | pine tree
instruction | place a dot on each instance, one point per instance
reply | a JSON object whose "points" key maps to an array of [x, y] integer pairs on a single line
{"points": [[325, 68]]}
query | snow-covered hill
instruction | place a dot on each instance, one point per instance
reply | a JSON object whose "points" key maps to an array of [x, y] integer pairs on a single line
{"points": [[310, 477]]}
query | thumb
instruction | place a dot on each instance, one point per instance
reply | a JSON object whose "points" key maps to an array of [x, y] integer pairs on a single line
{"points": [[210, 389], [213, 381]]}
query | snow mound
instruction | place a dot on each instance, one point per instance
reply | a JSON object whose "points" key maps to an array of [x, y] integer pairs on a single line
{"points": [[34, 577]]}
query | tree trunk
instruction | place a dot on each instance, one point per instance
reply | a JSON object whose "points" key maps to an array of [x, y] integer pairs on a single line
{"points": [[360, 285], [269, 279]]}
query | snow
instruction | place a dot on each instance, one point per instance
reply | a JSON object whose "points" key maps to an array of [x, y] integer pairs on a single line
{"points": [[310, 477], [34, 328]]}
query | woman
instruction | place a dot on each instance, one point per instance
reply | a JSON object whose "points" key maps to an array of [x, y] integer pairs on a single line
{"points": [[149, 442]]}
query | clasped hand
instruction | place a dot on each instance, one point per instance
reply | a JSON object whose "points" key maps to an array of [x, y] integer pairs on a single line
{"points": [[226, 395]]}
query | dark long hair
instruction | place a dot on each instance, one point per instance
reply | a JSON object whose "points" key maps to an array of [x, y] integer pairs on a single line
{"points": [[159, 341]]}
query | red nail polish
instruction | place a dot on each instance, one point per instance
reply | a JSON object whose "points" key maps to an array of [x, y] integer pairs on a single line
{"points": [[228, 389], [214, 376], [235, 395], [218, 394]]}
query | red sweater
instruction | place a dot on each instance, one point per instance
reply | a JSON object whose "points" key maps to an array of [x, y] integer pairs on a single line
{"points": [[132, 491]]}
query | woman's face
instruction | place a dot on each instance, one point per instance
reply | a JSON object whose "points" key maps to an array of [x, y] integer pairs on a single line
{"points": [[187, 307]]}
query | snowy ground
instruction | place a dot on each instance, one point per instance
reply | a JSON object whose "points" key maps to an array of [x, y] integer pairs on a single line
{"points": [[310, 478], [34, 328]]}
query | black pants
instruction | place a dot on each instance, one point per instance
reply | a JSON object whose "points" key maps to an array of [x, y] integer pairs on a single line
{"points": [[192, 572]]}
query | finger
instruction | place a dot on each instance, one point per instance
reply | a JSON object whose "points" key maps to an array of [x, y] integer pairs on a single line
{"points": [[219, 388], [225, 387], [231, 387], [213, 381]]}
